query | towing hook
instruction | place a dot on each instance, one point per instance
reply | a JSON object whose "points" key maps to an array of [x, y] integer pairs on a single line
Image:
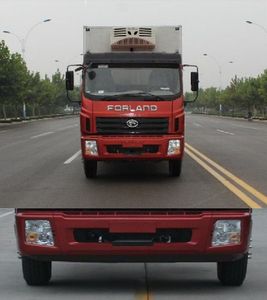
{"points": [[165, 239]]}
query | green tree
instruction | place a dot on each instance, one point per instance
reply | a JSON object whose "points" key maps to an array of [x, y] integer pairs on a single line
{"points": [[263, 92], [4, 76], [19, 79], [13, 78]]}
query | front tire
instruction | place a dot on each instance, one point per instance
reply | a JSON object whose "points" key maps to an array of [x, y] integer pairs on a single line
{"points": [[232, 273], [175, 167], [36, 272], [90, 168]]}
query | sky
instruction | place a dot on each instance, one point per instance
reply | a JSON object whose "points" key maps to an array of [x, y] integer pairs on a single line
{"points": [[214, 27]]}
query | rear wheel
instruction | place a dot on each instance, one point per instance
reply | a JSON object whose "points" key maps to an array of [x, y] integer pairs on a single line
{"points": [[36, 272], [175, 167], [90, 168], [232, 272]]}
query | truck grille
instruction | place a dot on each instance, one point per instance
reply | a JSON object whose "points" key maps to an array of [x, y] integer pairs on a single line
{"points": [[119, 126]]}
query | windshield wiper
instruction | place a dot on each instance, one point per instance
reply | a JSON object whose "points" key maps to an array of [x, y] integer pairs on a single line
{"points": [[136, 94], [152, 97], [108, 97], [143, 93]]}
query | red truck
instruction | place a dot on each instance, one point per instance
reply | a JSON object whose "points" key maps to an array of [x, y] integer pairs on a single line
{"points": [[132, 103], [88, 235]]}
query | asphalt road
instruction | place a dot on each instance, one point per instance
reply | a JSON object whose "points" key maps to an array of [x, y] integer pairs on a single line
{"points": [[128, 281], [40, 166]]}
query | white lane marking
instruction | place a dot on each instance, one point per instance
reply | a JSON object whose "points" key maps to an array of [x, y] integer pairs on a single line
{"points": [[247, 127], [197, 125], [226, 132], [67, 127], [75, 155], [6, 214], [42, 134]]}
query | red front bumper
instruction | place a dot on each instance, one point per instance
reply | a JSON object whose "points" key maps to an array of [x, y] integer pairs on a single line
{"points": [[197, 248], [136, 146]]}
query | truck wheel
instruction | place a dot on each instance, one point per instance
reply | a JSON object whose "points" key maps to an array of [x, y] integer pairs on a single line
{"points": [[175, 168], [36, 272], [90, 168], [232, 272]]}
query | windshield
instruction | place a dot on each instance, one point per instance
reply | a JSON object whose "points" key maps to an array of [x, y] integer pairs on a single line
{"points": [[109, 82]]}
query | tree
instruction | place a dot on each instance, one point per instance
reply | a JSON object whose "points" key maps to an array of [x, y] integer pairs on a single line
{"points": [[263, 92], [13, 78], [18, 80], [249, 94], [4, 76]]}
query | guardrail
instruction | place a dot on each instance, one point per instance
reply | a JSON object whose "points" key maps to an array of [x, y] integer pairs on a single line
{"points": [[18, 120]]}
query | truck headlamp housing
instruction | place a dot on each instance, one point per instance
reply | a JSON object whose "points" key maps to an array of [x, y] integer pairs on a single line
{"points": [[174, 147], [39, 232], [226, 232], [91, 147]]}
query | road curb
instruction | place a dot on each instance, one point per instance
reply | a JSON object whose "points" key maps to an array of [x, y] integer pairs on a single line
{"points": [[22, 121], [232, 118]]}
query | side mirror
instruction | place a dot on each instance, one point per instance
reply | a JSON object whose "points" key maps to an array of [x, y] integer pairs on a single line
{"points": [[194, 81], [69, 80]]}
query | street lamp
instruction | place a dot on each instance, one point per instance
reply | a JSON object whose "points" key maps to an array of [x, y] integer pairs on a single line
{"points": [[69, 60], [57, 62], [22, 42], [219, 68], [258, 25], [72, 58], [220, 73]]}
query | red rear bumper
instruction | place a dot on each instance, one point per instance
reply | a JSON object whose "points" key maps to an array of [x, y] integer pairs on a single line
{"points": [[196, 248]]}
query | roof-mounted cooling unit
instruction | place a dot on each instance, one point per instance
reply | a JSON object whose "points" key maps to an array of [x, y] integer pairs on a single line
{"points": [[132, 38]]}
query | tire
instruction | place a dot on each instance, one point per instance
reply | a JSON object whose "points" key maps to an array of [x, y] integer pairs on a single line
{"points": [[36, 272], [175, 168], [232, 273], [90, 168]]}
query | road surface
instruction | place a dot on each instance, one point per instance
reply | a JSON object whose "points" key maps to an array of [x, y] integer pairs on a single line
{"points": [[129, 281], [40, 166]]}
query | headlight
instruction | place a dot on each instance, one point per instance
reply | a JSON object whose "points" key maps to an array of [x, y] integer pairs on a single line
{"points": [[226, 232], [174, 147], [91, 148], [39, 232]]}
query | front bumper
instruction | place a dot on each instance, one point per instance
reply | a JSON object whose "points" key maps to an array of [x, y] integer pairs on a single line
{"points": [[133, 147], [126, 223]]}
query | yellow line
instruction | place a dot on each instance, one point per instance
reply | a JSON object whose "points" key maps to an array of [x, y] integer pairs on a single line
{"points": [[237, 180], [143, 296], [224, 181]]}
